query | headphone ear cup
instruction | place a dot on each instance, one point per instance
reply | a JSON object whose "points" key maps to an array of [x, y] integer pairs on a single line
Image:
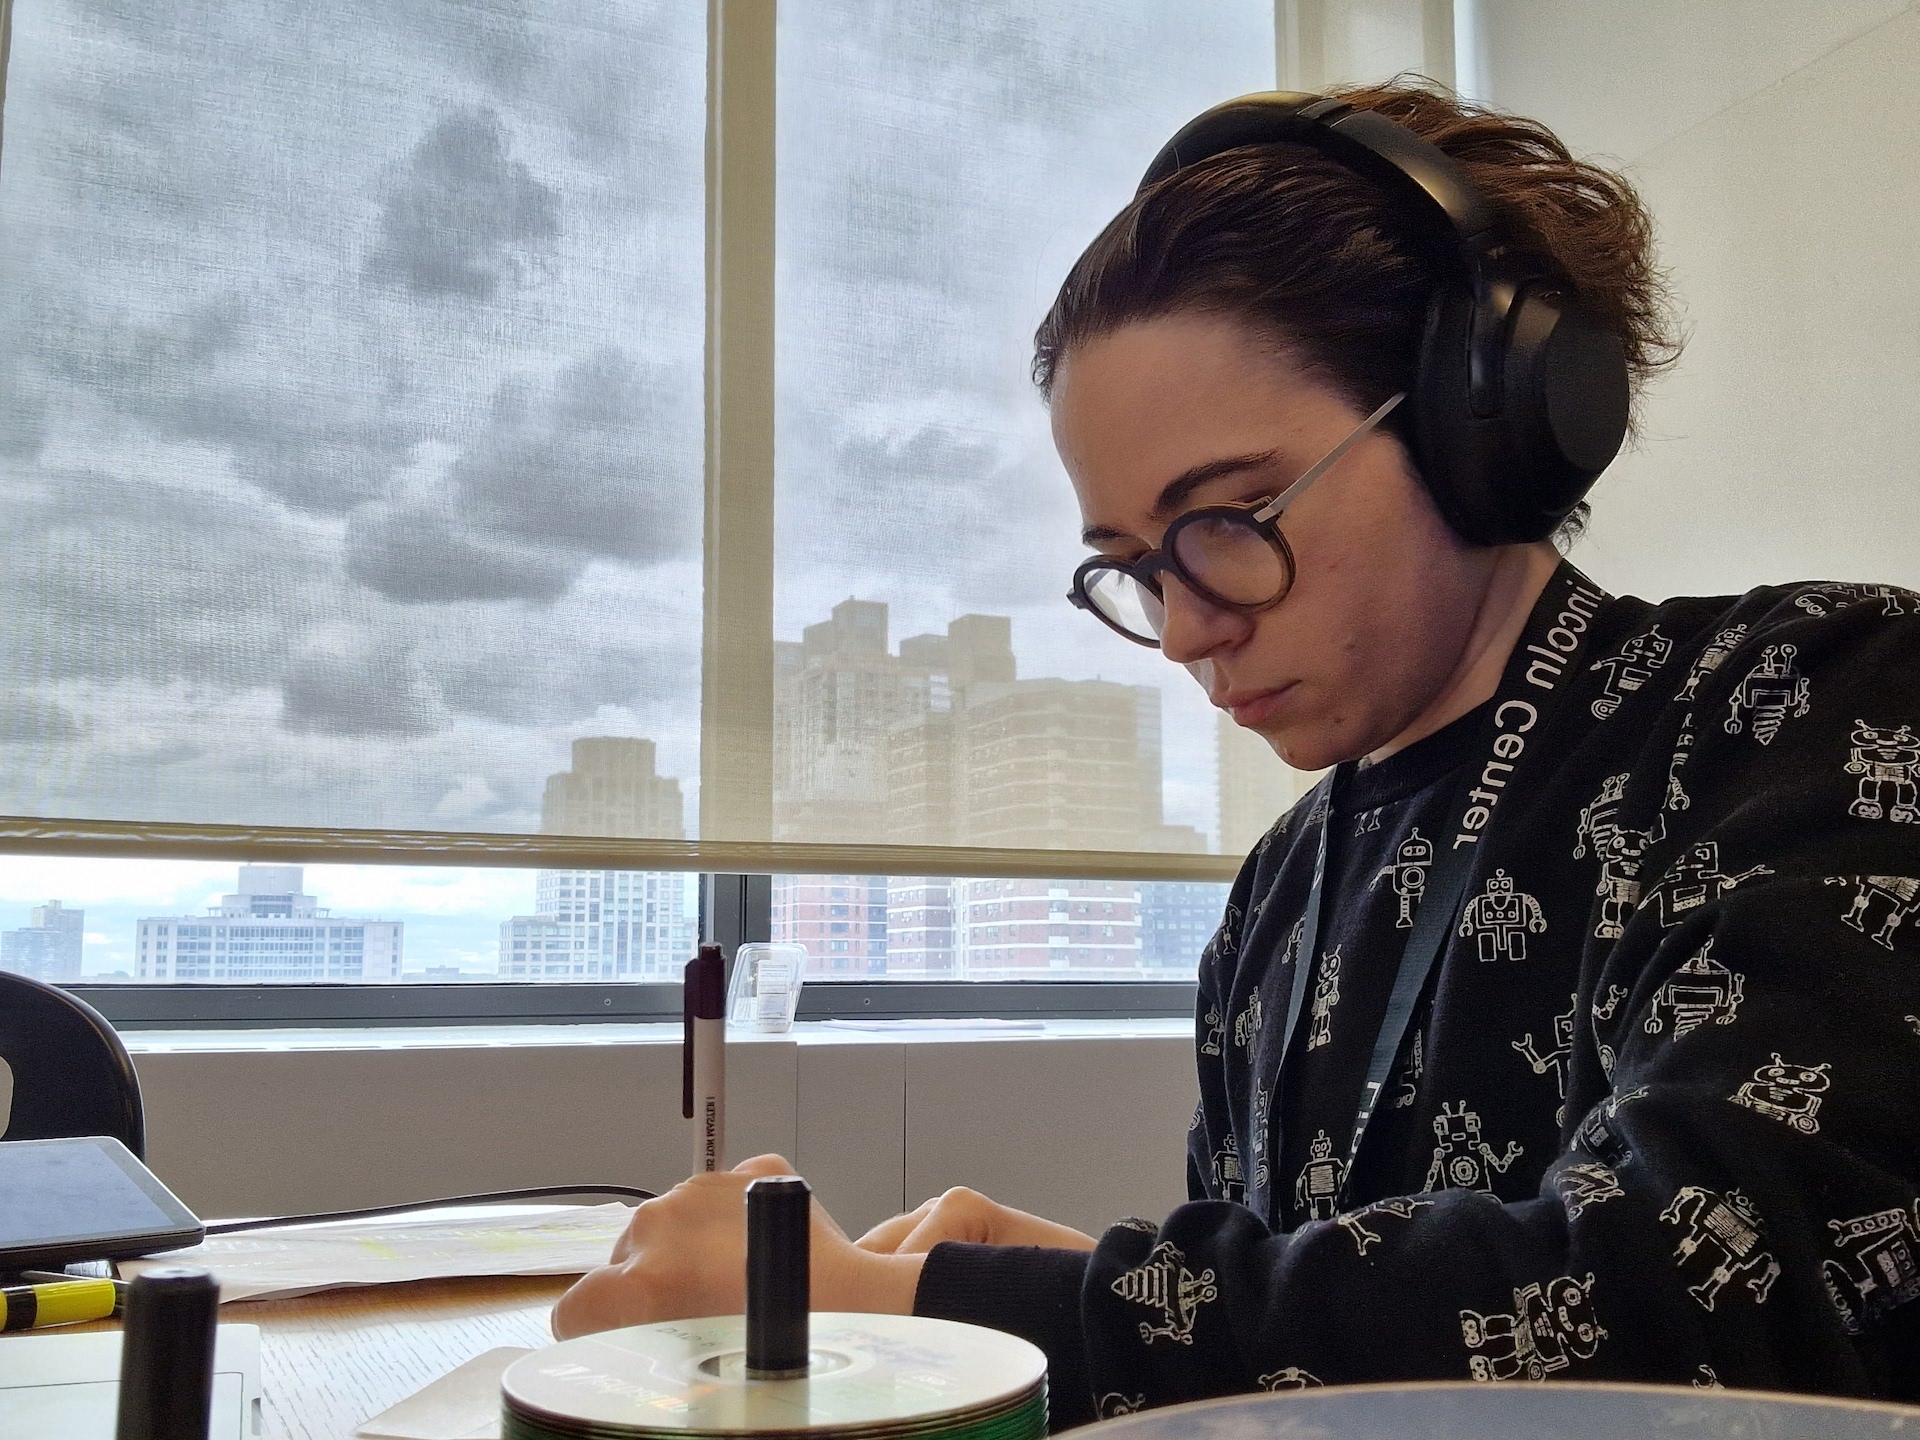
{"points": [[1513, 476]]}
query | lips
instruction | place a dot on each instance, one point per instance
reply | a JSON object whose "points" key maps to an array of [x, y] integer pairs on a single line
{"points": [[1253, 708]]}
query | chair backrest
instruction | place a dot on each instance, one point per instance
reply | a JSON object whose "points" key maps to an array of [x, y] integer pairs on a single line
{"points": [[70, 1073]]}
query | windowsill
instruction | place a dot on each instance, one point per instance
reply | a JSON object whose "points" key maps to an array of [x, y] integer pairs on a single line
{"points": [[482, 1037]]}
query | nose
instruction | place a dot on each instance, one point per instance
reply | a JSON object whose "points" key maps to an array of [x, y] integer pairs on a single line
{"points": [[1194, 629]]}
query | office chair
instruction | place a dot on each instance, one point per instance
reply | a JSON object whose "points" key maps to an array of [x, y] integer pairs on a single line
{"points": [[71, 1074]]}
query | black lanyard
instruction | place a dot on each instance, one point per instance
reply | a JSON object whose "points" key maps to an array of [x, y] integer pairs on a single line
{"points": [[1538, 674]]}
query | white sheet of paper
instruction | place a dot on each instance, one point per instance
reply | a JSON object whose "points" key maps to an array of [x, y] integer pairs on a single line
{"points": [[255, 1264], [463, 1404]]}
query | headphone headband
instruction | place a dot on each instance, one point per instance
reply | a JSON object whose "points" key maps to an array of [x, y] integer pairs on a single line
{"points": [[1521, 398]]}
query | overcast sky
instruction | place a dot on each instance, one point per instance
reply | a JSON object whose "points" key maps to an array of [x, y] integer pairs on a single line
{"points": [[350, 411]]}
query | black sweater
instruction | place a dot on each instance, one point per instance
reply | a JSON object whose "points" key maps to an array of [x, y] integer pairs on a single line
{"points": [[1658, 1115]]}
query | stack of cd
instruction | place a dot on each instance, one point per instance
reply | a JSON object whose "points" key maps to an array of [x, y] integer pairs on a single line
{"points": [[869, 1377]]}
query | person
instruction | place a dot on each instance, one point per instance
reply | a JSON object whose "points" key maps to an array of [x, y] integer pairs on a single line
{"points": [[1603, 934]]}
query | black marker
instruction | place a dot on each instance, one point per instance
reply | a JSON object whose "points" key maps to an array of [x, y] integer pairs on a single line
{"points": [[703, 1058]]}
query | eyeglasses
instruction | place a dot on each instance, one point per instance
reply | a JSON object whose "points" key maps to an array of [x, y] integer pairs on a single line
{"points": [[1231, 556]]}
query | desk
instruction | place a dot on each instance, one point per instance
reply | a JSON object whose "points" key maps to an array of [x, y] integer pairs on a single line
{"points": [[331, 1360]]}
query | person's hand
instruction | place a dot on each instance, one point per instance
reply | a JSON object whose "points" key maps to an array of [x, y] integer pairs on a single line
{"points": [[963, 1214], [684, 1255]]}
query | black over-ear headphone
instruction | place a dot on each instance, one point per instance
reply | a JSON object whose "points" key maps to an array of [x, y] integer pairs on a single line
{"points": [[1520, 400]]}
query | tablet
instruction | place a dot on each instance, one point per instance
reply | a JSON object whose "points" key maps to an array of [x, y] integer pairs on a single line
{"points": [[84, 1199]]}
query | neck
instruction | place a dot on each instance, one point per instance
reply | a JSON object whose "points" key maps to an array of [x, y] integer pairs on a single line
{"points": [[1520, 573]]}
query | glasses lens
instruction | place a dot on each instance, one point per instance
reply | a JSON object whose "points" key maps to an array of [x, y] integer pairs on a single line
{"points": [[1126, 603], [1232, 559]]}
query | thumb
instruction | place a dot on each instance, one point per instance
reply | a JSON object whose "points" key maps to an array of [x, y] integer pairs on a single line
{"points": [[760, 1167]]}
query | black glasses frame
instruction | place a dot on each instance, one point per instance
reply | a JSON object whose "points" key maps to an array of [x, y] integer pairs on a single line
{"points": [[1260, 516]]}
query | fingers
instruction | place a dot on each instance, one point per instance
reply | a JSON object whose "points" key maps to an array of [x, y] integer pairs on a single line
{"points": [[959, 1214], [603, 1299], [885, 1238], [762, 1166]]}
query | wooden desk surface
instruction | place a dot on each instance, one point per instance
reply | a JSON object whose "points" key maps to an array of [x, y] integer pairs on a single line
{"points": [[330, 1361]]}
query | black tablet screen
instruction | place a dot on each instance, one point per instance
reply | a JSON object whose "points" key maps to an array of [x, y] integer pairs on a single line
{"points": [[50, 1192]]}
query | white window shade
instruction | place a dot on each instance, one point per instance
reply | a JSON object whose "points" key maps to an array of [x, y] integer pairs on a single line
{"points": [[352, 491]]}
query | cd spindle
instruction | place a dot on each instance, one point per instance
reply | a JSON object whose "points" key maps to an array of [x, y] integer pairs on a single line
{"points": [[778, 1237]]}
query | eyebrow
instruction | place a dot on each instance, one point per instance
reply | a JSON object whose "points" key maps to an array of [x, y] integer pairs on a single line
{"points": [[1177, 491]]}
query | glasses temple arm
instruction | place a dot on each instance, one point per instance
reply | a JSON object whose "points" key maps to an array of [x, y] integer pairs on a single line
{"points": [[1299, 487]]}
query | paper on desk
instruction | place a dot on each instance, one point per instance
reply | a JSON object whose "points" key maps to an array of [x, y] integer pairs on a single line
{"points": [[463, 1404], [254, 1264]]}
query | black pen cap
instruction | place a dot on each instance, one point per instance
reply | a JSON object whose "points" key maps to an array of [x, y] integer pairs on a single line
{"points": [[779, 1236], [166, 1355]]}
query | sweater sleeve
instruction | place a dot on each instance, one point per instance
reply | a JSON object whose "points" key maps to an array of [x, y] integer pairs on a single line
{"points": [[1026, 1291], [1740, 1205]]}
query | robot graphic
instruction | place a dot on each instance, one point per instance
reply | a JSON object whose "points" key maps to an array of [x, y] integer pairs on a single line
{"points": [[1631, 668], [1551, 1326], [1366, 822], [1887, 762], [1615, 994], [1261, 1103], [1555, 1059], [1599, 819], [1501, 919], [1410, 1076], [1701, 990], [1354, 1223], [1597, 1134], [1292, 952], [1838, 594], [1879, 1262], [1677, 797], [1291, 1378], [1695, 880], [1165, 1283], [1586, 1183], [1730, 1225], [1711, 659], [1705, 1379], [1769, 693], [1898, 894], [1246, 1024], [1216, 1031], [1618, 887], [1317, 1190], [1462, 1159], [1228, 1178], [1407, 874], [1326, 995], [1606, 1061], [1787, 1093], [1113, 1404]]}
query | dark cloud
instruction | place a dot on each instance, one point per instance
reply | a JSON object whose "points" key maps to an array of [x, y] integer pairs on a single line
{"points": [[26, 720], [463, 217], [563, 473], [360, 695]]}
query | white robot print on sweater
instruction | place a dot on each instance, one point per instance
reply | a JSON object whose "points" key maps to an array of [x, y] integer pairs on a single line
{"points": [[1326, 995], [1584, 1184], [1216, 1023], [1164, 1283], [1551, 1326], [1555, 1059], [1700, 991], [1630, 668], [1677, 797], [1291, 1378], [1228, 1178], [1878, 1268], [1621, 852], [1502, 917], [1601, 817], [1317, 1189], [1711, 659], [1887, 901], [1696, 880], [1407, 874], [1838, 594], [1787, 1093], [1768, 694], [1887, 760], [1726, 1226], [1354, 1222], [1410, 1075], [1463, 1160], [1246, 1025]]}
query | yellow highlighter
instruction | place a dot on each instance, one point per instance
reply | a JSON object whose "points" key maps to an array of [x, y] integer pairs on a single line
{"points": [[65, 1302]]}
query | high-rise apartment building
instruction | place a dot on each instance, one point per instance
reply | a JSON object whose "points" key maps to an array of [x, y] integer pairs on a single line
{"points": [[613, 789], [1256, 786], [269, 931], [920, 928], [1177, 919], [1046, 929], [841, 919], [629, 925], [48, 947]]}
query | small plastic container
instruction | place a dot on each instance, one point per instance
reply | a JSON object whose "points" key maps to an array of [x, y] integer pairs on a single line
{"points": [[765, 991]]}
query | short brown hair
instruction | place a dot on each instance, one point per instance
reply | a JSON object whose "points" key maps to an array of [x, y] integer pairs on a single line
{"points": [[1333, 266]]}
